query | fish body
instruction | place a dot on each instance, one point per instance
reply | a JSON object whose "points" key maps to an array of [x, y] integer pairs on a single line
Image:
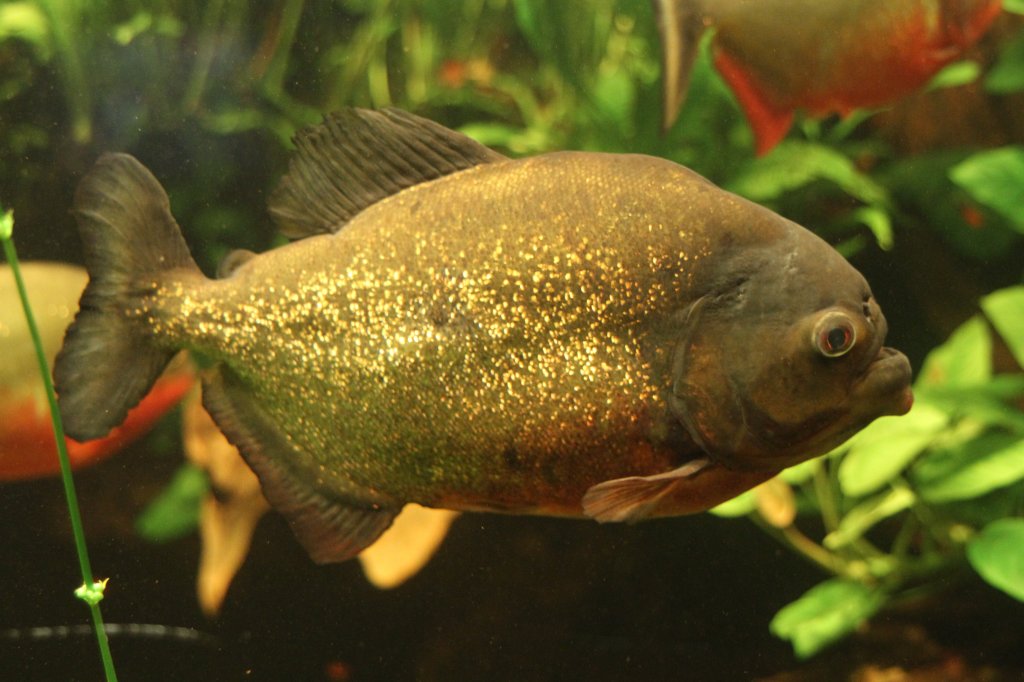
{"points": [[27, 447], [823, 56], [466, 331]]}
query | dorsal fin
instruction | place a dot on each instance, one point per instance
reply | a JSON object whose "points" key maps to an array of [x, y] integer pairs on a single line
{"points": [[357, 157]]}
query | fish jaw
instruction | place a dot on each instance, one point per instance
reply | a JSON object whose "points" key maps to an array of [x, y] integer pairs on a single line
{"points": [[882, 390], [886, 384]]}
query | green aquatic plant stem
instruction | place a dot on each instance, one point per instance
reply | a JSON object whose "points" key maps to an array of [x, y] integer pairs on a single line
{"points": [[91, 591], [791, 537], [288, 26], [824, 487], [65, 27], [205, 54]]}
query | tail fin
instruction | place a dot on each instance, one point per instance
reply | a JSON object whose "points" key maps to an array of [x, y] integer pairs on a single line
{"points": [[109, 359]]}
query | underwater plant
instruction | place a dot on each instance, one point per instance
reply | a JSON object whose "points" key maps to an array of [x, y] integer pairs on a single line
{"points": [[91, 590]]}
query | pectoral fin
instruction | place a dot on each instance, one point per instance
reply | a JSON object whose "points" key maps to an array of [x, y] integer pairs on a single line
{"points": [[635, 497], [330, 528]]}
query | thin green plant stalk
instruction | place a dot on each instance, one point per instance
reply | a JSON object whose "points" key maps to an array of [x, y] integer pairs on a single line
{"points": [[91, 592], [204, 58], [65, 21], [791, 537], [273, 78]]}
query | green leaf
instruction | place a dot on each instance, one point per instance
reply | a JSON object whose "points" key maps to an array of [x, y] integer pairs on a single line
{"points": [[921, 184], [964, 359], [1007, 75], [794, 164], [26, 21], [985, 403], [614, 98], [571, 35], [6, 224], [880, 224], [795, 475], [1005, 309], [956, 74], [995, 178], [864, 516], [143, 22], [1015, 6], [741, 505], [994, 459], [997, 554], [516, 140], [882, 450], [175, 512], [824, 614]]}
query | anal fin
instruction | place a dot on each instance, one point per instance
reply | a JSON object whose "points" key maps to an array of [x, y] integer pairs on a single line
{"points": [[330, 528], [769, 121], [634, 497]]}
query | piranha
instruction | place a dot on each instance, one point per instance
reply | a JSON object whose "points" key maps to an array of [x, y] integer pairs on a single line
{"points": [[824, 56], [572, 334], [27, 446]]}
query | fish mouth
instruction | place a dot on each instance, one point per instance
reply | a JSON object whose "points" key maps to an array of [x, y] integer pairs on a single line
{"points": [[885, 385]]}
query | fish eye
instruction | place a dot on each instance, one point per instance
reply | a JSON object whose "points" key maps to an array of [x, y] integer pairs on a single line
{"points": [[834, 335]]}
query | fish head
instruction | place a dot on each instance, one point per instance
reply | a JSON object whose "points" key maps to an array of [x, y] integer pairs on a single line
{"points": [[785, 360]]}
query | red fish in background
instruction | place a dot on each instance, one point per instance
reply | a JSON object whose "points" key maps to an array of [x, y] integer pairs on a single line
{"points": [[27, 448], [823, 56]]}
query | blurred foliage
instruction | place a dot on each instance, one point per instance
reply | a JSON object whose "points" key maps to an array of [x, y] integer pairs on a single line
{"points": [[175, 512], [526, 76], [996, 179], [209, 93]]}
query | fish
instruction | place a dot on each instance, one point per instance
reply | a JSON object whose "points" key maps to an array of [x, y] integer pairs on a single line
{"points": [[573, 334], [822, 56], [27, 445]]}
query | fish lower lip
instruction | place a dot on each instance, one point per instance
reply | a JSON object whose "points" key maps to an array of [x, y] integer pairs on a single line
{"points": [[888, 378], [908, 401], [887, 356]]}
